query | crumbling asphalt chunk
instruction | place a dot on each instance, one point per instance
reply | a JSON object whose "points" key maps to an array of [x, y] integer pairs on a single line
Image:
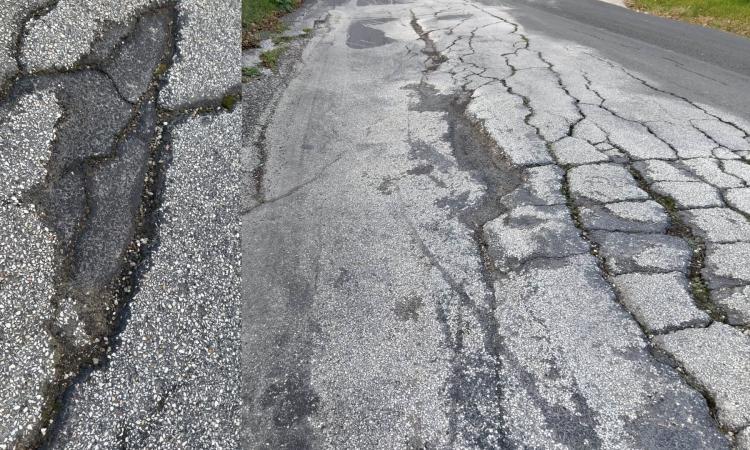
{"points": [[13, 15], [717, 359], [132, 68], [626, 252], [115, 188], [91, 196], [634, 217], [531, 232], [727, 265], [660, 301], [541, 185], [735, 303], [80, 22]]}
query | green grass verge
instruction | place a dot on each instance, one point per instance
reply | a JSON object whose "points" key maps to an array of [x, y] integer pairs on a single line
{"points": [[256, 11], [259, 16], [728, 15]]}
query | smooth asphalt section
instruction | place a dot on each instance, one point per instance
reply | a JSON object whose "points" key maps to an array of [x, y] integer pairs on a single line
{"points": [[708, 65]]}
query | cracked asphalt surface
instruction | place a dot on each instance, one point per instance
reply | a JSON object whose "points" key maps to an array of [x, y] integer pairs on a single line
{"points": [[490, 224], [119, 243], [437, 224]]}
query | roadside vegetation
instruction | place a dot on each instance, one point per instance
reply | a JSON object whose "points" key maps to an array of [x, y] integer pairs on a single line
{"points": [[261, 17], [728, 15], [270, 58], [250, 72]]}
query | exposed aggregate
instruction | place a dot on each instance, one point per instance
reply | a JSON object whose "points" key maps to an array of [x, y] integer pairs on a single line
{"points": [[101, 178]]}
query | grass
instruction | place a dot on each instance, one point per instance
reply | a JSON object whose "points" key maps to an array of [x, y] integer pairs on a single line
{"points": [[260, 16], [250, 72], [270, 58], [728, 15]]}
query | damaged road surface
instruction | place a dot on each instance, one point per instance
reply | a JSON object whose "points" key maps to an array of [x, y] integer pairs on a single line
{"points": [[111, 240], [459, 232]]}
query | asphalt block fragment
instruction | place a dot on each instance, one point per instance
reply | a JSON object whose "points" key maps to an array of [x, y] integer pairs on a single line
{"points": [[604, 183], [710, 171], [735, 304], [541, 185], [718, 225], [688, 195], [634, 217], [661, 302], [134, 65], [530, 232], [657, 170], [727, 264], [573, 151], [739, 199], [717, 359], [627, 252]]}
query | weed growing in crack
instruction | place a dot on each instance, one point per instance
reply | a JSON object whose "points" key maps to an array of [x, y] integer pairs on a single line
{"points": [[270, 58], [698, 286], [280, 39], [229, 101], [250, 72]]}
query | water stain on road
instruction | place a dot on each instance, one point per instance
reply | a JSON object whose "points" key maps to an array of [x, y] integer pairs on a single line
{"points": [[360, 35]]}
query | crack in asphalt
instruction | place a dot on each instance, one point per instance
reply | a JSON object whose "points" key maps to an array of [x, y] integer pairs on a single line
{"points": [[698, 285], [472, 150], [148, 126]]}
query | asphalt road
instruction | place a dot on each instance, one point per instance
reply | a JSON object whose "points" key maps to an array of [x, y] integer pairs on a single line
{"points": [[497, 225], [706, 64], [442, 224]]}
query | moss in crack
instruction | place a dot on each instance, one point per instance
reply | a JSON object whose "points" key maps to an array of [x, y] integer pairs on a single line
{"points": [[677, 227], [161, 69], [229, 101]]}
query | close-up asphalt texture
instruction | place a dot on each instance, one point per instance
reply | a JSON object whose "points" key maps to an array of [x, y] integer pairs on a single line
{"points": [[411, 224], [119, 262]]}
